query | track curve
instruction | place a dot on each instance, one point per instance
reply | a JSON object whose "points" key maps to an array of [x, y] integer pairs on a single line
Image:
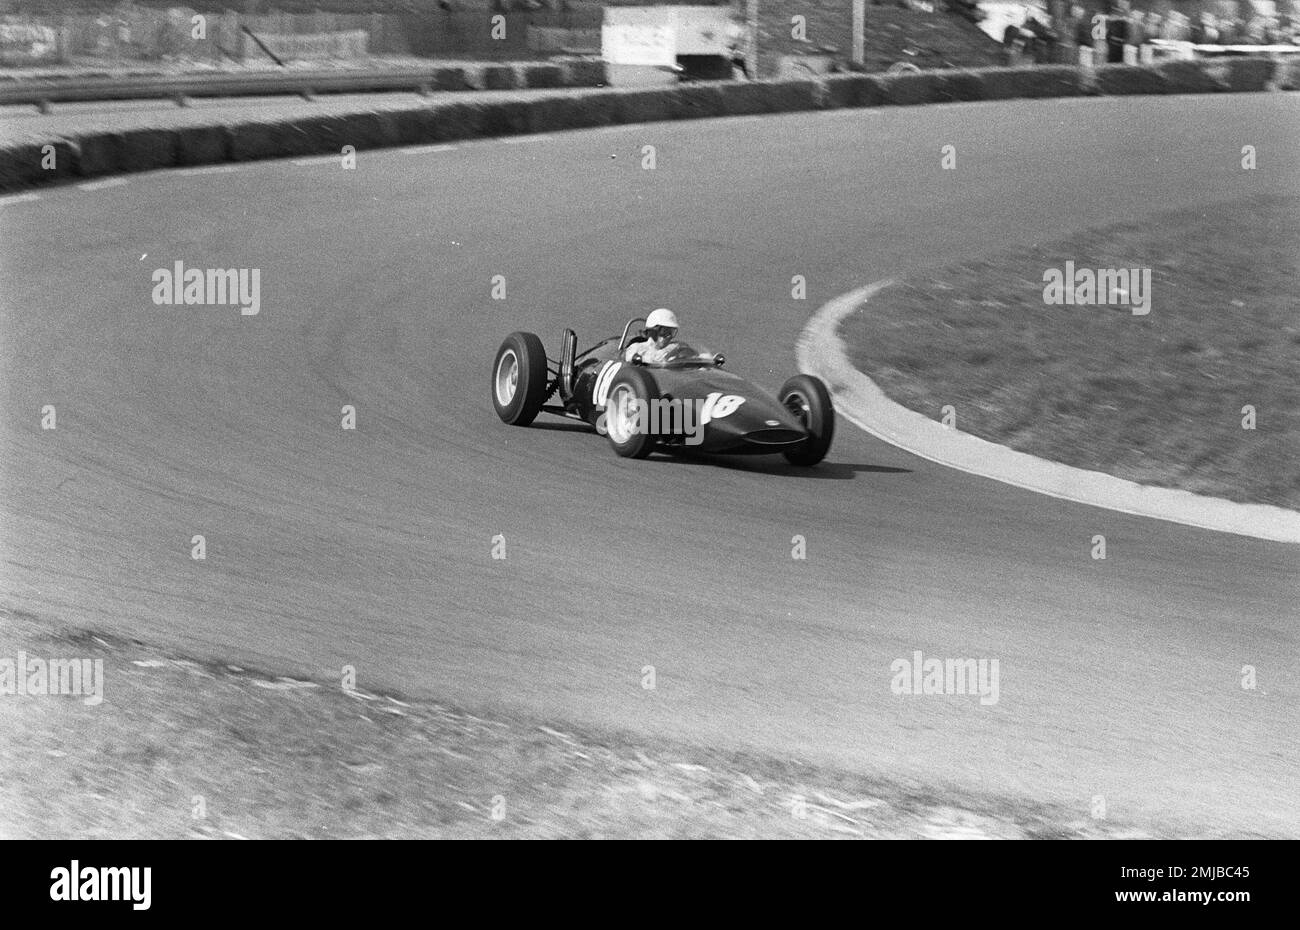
{"points": [[373, 548]]}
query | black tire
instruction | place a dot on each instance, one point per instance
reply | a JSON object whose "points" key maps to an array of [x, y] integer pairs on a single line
{"points": [[807, 398], [636, 382], [519, 379]]}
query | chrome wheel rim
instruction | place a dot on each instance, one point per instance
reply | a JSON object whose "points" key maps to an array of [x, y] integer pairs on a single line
{"points": [[798, 405], [507, 377], [620, 414]]}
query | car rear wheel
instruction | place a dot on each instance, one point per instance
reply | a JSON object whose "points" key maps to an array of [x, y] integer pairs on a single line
{"points": [[519, 379], [807, 398], [628, 396]]}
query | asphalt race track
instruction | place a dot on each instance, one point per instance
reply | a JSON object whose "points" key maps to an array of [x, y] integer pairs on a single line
{"points": [[373, 548]]}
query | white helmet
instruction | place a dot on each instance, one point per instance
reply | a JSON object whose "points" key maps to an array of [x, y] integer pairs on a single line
{"points": [[661, 317]]}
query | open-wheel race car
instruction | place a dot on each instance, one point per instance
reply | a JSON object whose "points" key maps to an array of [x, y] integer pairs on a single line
{"points": [[686, 400]]}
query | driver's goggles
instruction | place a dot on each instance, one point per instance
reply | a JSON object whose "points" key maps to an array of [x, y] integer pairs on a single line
{"points": [[662, 332]]}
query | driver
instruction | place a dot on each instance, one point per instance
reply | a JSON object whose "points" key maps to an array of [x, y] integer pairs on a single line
{"points": [[660, 341]]}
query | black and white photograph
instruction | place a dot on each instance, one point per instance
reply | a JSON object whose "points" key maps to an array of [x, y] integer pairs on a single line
{"points": [[615, 419]]}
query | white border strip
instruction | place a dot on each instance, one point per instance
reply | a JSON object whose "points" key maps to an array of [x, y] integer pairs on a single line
{"points": [[104, 184], [427, 149], [860, 400]]}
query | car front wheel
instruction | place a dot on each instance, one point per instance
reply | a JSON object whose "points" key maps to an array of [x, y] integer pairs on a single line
{"points": [[625, 413], [808, 399]]}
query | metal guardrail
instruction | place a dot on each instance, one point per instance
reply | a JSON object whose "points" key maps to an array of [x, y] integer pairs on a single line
{"points": [[43, 94]]}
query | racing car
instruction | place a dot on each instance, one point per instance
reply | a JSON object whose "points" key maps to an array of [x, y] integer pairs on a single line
{"points": [[685, 401]]}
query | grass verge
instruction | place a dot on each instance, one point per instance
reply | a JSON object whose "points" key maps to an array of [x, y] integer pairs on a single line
{"points": [[184, 748], [1158, 398]]}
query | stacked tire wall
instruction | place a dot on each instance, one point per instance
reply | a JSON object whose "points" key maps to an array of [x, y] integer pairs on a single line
{"points": [[96, 154]]}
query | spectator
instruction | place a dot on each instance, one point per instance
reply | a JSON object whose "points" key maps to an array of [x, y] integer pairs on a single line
{"points": [[1117, 32], [168, 38], [737, 31], [1082, 23], [1042, 39], [1012, 43], [1137, 33], [1178, 26], [1286, 27], [1206, 31], [1154, 26]]}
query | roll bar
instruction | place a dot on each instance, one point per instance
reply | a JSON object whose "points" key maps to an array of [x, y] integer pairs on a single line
{"points": [[622, 343]]}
